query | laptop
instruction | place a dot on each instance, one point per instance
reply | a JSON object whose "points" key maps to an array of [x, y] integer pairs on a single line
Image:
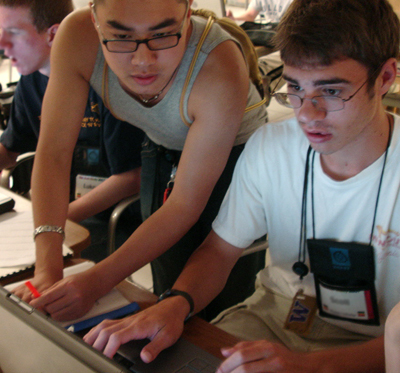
{"points": [[217, 6], [32, 342]]}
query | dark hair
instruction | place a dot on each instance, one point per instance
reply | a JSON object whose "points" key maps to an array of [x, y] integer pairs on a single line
{"points": [[45, 13], [319, 32]]}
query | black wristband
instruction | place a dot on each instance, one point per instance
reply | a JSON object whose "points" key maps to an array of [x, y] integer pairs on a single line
{"points": [[173, 292]]}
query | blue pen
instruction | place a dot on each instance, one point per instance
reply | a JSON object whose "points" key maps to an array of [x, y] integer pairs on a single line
{"points": [[93, 321]]}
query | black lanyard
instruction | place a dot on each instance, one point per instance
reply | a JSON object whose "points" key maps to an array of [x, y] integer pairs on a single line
{"points": [[300, 268]]}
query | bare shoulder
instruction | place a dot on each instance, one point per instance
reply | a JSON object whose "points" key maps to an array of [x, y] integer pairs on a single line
{"points": [[76, 43], [226, 59], [223, 78]]}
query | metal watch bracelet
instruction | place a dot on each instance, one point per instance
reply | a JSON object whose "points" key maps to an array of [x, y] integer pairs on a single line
{"points": [[46, 229]]}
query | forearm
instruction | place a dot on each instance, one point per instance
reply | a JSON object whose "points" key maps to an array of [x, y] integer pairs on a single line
{"points": [[50, 189], [392, 340], [207, 270], [363, 358], [151, 239], [7, 158], [108, 193]]}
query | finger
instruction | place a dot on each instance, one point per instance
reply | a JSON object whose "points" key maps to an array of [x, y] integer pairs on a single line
{"points": [[130, 328], [23, 293], [163, 339], [118, 338], [49, 296], [263, 365], [245, 354], [68, 311], [106, 331], [91, 336], [228, 351]]}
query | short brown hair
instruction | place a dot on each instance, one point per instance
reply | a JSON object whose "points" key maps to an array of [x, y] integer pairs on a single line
{"points": [[319, 32], [45, 13]]}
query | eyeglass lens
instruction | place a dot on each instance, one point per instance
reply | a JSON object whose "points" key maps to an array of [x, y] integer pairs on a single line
{"points": [[127, 46], [320, 102]]}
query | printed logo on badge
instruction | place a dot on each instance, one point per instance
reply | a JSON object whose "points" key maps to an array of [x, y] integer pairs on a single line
{"points": [[340, 258], [301, 313]]}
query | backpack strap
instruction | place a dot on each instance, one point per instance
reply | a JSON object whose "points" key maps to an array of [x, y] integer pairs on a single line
{"points": [[210, 22], [206, 30]]}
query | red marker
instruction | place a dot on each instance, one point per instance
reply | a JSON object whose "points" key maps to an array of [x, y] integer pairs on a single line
{"points": [[32, 289]]}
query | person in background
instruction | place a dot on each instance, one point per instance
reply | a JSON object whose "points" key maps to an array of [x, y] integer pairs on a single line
{"points": [[270, 11], [106, 147], [325, 188]]}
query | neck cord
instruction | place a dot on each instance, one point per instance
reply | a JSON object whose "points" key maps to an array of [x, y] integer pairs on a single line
{"points": [[300, 268], [155, 97]]}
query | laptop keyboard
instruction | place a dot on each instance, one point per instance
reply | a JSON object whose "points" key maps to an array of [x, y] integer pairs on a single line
{"points": [[194, 366], [183, 357], [197, 366]]}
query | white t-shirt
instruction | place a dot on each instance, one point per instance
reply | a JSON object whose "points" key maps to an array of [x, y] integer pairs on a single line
{"points": [[273, 10], [265, 196]]}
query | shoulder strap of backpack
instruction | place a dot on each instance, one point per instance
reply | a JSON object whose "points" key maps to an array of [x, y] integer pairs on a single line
{"points": [[247, 47]]}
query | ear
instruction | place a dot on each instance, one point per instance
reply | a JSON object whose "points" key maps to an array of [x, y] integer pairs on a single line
{"points": [[51, 33], [91, 6], [387, 75]]}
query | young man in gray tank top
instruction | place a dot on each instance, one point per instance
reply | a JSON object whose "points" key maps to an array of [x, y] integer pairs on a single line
{"points": [[143, 43]]}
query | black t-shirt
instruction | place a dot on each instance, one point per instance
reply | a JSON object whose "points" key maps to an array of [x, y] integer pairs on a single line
{"points": [[105, 146]]}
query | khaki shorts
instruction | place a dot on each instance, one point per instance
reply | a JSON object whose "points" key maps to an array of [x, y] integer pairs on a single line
{"points": [[263, 315]]}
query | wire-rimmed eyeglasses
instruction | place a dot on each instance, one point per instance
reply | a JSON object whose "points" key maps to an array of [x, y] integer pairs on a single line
{"points": [[130, 46], [322, 102]]}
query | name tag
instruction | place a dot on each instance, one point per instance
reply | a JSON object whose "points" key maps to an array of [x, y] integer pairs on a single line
{"points": [[356, 305], [85, 183]]}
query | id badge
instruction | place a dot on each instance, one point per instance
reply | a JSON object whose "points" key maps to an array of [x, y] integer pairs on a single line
{"points": [[355, 304], [344, 276], [301, 314]]}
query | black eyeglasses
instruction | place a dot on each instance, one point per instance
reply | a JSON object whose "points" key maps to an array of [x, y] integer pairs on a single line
{"points": [[130, 46], [323, 103]]}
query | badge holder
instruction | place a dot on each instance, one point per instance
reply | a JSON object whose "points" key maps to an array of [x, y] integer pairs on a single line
{"points": [[344, 276]]}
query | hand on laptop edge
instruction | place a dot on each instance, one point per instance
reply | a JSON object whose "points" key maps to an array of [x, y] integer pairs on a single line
{"points": [[69, 298], [41, 283], [161, 323]]}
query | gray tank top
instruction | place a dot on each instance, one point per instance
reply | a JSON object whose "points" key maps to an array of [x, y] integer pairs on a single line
{"points": [[162, 123]]}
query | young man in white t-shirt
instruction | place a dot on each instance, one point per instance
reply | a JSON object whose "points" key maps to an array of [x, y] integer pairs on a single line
{"points": [[325, 188]]}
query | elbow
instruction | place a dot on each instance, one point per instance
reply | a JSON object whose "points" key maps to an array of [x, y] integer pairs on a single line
{"points": [[8, 163]]}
